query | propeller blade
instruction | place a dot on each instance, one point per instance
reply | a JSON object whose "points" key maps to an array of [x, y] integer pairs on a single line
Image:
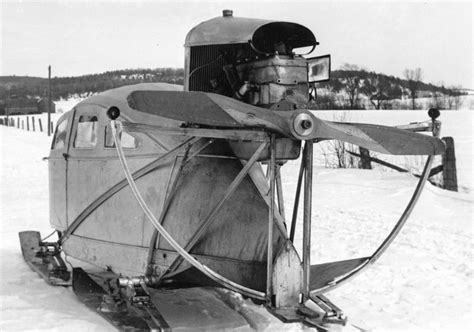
{"points": [[206, 109], [379, 138]]}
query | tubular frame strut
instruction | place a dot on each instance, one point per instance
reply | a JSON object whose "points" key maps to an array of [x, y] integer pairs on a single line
{"points": [[271, 213], [297, 196], [308, 190]]}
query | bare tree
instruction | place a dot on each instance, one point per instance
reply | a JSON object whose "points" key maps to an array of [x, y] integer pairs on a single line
{"points": [[454, 99], [414, 77], [438, 100], [376, 88], [352, 83]]}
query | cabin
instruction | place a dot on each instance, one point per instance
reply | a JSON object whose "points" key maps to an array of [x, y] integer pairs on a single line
{"points": [[44, 104], [25, 106]]}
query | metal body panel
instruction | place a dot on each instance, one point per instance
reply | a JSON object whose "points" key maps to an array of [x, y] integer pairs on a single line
{"points": [[118, 219]]}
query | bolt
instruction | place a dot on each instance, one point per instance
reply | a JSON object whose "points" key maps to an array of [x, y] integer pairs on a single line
{"points": [[306, 124]]}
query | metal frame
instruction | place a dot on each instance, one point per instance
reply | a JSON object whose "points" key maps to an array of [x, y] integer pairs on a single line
{"points": [[305, 179]]}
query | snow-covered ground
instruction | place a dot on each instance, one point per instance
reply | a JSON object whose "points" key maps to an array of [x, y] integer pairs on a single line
{"points": [[64, 105], [423, 283], [457, 124]]}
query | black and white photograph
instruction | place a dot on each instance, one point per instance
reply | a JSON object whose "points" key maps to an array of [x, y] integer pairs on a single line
{"points": [[236, 165]]}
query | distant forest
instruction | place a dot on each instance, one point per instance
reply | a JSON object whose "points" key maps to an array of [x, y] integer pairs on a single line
{"points": [[350, 87], [65, 87]]}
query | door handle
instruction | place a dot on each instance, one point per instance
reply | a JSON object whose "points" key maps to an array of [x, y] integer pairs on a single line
{"points": [[65, 155]]}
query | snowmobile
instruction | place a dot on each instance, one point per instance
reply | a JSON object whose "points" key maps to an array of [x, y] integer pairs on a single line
{"points": [[160, 200]]}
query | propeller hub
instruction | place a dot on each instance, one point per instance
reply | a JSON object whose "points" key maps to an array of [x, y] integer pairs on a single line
{"points": [[303, 124]]}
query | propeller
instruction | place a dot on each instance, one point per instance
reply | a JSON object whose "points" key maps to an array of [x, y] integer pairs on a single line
{"points": [[208, 109]]}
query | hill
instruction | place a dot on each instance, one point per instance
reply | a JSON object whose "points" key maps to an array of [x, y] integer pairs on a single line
{"points": [[352, 87], [64, 87]]}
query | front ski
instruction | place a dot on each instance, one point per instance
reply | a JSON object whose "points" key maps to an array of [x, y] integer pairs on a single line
{"points": [[44, 258]]}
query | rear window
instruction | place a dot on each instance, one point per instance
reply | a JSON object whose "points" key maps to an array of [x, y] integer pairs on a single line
{"points": [[87, 132]]}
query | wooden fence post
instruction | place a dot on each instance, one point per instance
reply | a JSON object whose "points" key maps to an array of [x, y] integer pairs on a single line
{"points": [[12, 122], [40, 125], [52, 129], [33, 123], [364, 161], [18, 123], [28, 123], [23, 124], [450, 180]]}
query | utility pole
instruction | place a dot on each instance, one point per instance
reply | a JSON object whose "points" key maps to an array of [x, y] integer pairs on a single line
{"points": [[7, 111], [49, 100]]}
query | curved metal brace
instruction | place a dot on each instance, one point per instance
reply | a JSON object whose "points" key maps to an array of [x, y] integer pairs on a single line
{"points": [[190, 259], [393, 234]]}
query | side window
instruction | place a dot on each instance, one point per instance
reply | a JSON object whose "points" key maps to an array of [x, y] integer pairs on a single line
{"points": [[59, 140], [86, 133], [128, 141]]}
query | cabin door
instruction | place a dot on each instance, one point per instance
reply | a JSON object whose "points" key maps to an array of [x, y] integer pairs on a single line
{"points": [[57, 165]]}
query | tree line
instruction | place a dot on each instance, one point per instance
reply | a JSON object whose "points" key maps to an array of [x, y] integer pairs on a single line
{"points": [[353, 87], [17, 87]]}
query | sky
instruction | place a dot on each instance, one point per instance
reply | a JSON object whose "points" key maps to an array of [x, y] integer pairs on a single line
{"points": [[85, 37]]}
